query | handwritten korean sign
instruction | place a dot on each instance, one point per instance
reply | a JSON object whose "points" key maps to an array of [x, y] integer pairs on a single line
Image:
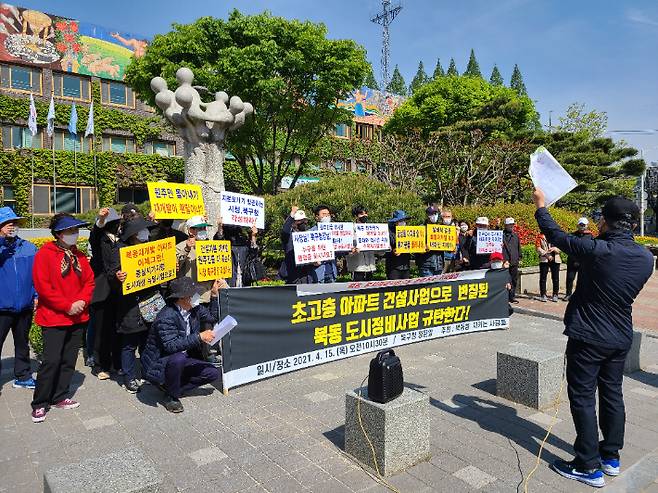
{"points": [[243, 210], [175, 200], [489, 241], [441, 237], [371, 237], [342, 234], [148, 264], [410, 239], [313, 246], [213, 260]]}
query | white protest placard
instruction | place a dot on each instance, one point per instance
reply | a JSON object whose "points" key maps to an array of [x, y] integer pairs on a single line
{"points": [[312, 246], [222, 328], [372, 237], [342, 234], [489, 241], [242, 210], [550, 176]]}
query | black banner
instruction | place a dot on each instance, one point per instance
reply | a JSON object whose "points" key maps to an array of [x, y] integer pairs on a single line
{"points": [[286, 328]]}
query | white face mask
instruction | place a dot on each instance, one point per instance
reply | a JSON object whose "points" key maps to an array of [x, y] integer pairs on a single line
{"points": [[195, 300], [202, 235], [143, 235], [325, 219], [402, 223], [496, 265], [463, 228], [70, 239], [447, 221], [13, 232], [434, 218]]}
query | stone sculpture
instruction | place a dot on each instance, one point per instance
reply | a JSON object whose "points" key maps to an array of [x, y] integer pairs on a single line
{"points": [[203, 127]]}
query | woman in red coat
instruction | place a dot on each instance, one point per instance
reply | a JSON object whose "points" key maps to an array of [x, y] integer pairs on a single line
{"points": [[64, 283]]}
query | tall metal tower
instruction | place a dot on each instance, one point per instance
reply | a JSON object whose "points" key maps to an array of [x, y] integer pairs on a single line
{"points": [[384, 19]]}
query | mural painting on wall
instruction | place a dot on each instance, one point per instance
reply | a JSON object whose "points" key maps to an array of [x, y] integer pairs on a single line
{"points": [[33, 37], [365, 102]]}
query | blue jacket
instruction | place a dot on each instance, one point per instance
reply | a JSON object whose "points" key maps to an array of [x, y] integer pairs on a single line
{"points": [[16, 286], [168, 336], [613, 270]]}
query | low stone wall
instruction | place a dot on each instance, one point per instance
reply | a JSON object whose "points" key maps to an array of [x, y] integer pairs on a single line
{"points": [[528, 282]]}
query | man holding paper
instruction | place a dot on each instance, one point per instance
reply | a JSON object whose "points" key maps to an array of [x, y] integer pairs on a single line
{"points": [[172, 357]]}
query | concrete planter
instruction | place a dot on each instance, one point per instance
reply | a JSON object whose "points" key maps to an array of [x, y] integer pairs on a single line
{"points": [[528, 282]]}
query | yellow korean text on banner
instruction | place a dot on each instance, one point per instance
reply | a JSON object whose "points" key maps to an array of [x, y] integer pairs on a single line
{"points": [[175, 200], [213, 260], [441, 237], [410, 239], [148, 264]]}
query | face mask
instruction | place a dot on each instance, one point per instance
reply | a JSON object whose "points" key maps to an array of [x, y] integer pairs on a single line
{"points": [[143, 235], [509, 227], [302, 227], [13, 233], [362, 219], [434, 218], [71, 239], [195, 300], [326, 219], [496, 265], [581, 227], [447, 221], [202, 235], [402, 223], [463, 228]]}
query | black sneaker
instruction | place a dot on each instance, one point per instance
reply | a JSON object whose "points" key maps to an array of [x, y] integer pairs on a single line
{"points": [[173, 405], [132, 386]]}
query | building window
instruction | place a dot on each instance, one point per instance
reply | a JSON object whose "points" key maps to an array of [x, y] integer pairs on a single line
{"points": [[71, 87], [340, 166], [44, 202], [342, 130], [64, 141], [119, 145], [20, 78], [8, 198], [161, 147], [15, 137], [364, 131], [133, 195], [117, 93], [361, 167]]}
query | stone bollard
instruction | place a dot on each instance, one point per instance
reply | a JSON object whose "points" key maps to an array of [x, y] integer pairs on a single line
{"points": [[634, 358], [529, 375], [125, 471], [398, 430]]}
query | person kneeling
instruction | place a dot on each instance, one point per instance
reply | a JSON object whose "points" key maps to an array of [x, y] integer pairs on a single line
{"points": [[172, 357]]}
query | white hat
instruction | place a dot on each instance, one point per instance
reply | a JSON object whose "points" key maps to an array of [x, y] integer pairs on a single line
{"points": [[299, 216], [509, 220], [482, 220], [196, 222], [583, 220]]}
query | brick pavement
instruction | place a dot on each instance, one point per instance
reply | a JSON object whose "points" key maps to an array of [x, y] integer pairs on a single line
{"points": [[645, 308], [284, 434]]}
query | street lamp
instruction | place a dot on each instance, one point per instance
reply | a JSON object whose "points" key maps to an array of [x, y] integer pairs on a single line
{"points": [[643, 198]]}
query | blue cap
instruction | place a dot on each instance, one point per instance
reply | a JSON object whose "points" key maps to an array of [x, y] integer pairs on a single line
{"points": [[66, 222], [7, 214], [398, 215]]}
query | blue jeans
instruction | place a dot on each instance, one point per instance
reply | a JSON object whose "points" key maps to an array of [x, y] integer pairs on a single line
{"points": [[130, 343]]}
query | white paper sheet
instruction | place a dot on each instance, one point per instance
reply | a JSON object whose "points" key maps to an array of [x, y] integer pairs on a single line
{"points": [[550, 176], [222, 328]]}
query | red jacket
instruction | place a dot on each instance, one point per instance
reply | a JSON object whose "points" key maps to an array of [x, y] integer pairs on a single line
{"points": [[57, 293]]}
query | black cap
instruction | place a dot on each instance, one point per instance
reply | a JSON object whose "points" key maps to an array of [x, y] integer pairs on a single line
{"points": [[129, 208], [134, 226], [182, 287], [621, 209]]}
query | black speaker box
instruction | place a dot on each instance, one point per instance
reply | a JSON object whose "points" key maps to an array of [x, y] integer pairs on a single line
{"points": [[385, 380]]}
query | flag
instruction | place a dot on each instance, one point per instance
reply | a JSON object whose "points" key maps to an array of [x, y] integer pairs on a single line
{"points": [[73, 121], [90, 121], [51, 118], [32, 120]]}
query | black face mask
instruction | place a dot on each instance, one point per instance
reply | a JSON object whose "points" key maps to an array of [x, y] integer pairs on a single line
{"points": [[302, 226], [362, 219]]}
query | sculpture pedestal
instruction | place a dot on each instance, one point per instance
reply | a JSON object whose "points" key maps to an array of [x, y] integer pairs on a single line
{"points": [[398, 430]]}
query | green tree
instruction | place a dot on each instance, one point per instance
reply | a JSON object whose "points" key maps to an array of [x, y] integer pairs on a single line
{"points": [[473, 68], [419, 80], [592, 123], [452, 68], [370, 80], [516, 82], [288, 69], [601, 167], [397, 84], [438, 70], [496, 79], [464, 103]]}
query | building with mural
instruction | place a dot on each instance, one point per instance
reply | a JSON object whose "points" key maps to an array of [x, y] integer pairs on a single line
{"points": [[72, 62]]}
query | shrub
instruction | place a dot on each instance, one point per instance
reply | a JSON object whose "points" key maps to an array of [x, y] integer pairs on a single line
{"points": [[83, 243], [36, 339], [647, 240]]}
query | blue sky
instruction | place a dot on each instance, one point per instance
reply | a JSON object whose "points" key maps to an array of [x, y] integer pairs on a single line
{"points": [[599, 52]]}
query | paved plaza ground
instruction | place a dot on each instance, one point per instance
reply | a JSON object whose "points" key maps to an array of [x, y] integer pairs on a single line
{"points": [[285, 434]]}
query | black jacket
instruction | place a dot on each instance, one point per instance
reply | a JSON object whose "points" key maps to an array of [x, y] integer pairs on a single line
{"points": [[572, 260], [469, 250], [613, 270], [396, 262], [168, 336], [512, 247], [289, 270]]}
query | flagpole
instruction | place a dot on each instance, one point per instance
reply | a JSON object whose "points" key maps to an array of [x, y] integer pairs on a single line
{"points": [[75, 171], [52, 144], [32, 154], [51, 131], [93, 152]]}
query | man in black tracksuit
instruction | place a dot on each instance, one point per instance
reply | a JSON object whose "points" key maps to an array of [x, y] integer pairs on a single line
{"points": [[512, 254], [598, 322]]}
